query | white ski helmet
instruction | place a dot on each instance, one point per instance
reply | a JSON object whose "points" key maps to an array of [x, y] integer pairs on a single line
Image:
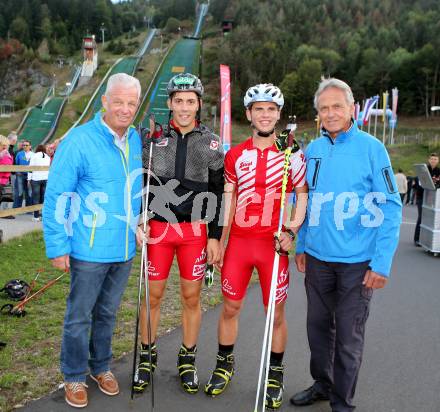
{"points": [[265, 92]]}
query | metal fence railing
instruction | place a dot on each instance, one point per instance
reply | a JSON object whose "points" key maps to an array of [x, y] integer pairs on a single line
{"points": [[25, 209]]}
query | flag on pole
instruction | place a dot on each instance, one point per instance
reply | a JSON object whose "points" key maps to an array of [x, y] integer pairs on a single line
{"points": [[357, 109], [385, 102], [369, 105], [225, 110], [395, 94]]}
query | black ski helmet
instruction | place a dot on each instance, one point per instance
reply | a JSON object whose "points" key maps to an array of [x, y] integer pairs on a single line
{"points": [[185, 82], [16, 289]]}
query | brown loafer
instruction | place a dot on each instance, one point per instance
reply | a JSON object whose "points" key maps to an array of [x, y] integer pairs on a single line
{"points": [[107, 383], [76, 394]]}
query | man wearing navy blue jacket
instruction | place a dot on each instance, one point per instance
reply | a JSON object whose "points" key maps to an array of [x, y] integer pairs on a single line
{"points": [[90, 215], [346, 245]]}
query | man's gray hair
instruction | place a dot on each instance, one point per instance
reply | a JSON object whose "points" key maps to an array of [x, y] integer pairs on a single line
{"points": [[12, 136], [123, 79], [336, 83]]}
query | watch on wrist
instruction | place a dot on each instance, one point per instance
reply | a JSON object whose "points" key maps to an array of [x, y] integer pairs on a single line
{"points": [[291, 234]]}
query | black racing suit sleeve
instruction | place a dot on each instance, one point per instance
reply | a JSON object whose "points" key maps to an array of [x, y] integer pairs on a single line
{"points": [[215, 186]]}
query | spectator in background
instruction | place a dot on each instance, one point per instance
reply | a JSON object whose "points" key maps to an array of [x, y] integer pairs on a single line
{"points": [[12, 138], [402, 184], [409, 184], [50, 150], [433, 168], [38, 179], [22, 158], [5, 159], [434, 171]]}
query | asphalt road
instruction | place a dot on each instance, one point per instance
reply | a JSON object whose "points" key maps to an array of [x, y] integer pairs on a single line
{"points": [[19, 226], [401, 367]]}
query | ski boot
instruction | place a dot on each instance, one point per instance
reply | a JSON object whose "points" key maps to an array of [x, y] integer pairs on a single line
{"points": [[144, 370], [187, 370], [221, 375], [275, 387]]}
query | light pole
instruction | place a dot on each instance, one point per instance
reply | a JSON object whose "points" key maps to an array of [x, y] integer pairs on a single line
{"points": [[103, 29]]}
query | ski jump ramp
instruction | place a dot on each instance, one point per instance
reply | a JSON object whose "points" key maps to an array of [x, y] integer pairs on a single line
{"points": [[183, 58]]}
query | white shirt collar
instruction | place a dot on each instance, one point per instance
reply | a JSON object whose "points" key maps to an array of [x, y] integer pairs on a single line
{"points": [[119, 141]]}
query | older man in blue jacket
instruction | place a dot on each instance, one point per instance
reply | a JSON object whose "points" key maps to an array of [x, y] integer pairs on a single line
{"points": [[90, 216], [346, 245]]}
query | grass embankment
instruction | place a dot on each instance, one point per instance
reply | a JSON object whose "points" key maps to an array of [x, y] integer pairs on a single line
{"points": [[29, 362]]}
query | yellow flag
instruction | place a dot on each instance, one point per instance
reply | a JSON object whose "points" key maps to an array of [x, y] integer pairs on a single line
{"points": [[385, 101]]}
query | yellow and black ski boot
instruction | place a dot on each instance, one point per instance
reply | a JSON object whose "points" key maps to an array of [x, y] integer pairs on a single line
{"points": [[275, 387], [144, 369], [186, 361], [221, 376]]}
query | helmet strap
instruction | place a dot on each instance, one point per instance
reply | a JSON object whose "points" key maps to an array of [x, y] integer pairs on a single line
{"points": [[199, 112], [170, 112], [263, 134]]}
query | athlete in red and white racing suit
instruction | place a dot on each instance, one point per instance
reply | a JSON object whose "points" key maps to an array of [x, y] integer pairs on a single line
{"points": [[253, 183]]}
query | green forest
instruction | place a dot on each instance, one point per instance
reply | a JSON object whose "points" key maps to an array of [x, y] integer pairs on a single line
{"points": [[64, 22], [374, 45]]}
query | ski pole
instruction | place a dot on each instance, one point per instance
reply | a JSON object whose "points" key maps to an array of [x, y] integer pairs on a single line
{"points": [[145, 272], [18, 310], [268, 329], [143, 275]]}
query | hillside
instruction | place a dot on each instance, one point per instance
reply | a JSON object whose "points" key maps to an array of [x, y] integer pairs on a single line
{"points": [[374, 45]]}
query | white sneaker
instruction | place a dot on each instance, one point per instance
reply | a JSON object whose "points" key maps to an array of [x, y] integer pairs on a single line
{"points": [[36, 219]]}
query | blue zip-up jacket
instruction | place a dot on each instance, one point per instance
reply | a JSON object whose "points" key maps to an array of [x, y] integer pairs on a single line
{"points": [[92, 200], [354, 209], [20, 160]]}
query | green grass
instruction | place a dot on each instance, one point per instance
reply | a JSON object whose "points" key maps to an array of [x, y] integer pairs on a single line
{"points": [[405, 156], [30, 361]]}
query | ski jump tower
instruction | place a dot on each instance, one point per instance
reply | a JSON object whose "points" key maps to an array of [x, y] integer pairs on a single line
{"points": [[90, 63]]}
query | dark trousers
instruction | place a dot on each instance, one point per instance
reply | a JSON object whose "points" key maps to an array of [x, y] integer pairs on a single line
{"points": [[38, 189], [338, 308], [21, 189], [419, 221], [408, 195]]}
